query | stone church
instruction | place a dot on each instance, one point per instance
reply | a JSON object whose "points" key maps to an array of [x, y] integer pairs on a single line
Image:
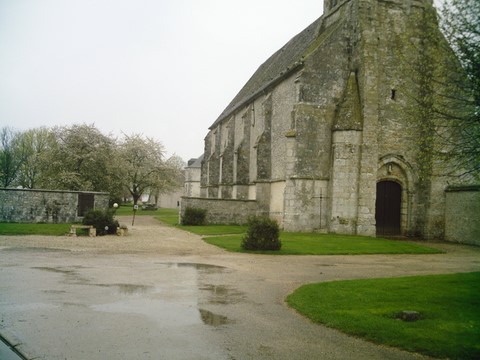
{"points": [[318, 138]]}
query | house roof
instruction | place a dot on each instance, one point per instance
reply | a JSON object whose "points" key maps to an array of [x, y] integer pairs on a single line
{"points": [[289, 58], [195, 163]]}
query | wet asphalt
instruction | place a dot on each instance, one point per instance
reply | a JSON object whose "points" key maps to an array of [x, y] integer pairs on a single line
{"points": [[189, 301]]}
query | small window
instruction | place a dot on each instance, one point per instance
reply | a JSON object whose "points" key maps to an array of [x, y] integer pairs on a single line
{"points": [[393, 94]]}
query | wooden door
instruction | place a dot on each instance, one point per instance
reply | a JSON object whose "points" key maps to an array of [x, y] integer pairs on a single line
{"points": [[388, 208], [85, 202]]}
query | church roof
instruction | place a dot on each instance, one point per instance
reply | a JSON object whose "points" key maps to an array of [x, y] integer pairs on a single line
{"points": [[280, 64]]}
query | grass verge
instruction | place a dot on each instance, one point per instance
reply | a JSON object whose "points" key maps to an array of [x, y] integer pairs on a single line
{"points": [[166, 216], [127, 210], [449, 306], [34, 229], [215, 229], [327, 244]]}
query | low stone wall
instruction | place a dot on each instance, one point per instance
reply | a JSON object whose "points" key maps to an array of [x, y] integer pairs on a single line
{"points": [[46, 206], [222, 211], [462, 215]]}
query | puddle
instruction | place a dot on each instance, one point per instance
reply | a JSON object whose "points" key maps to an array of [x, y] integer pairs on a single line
{"points": [[55, 270], [56, 292], [70, 273], [221, 294], [204, 268], [176, 299], [166, 313], [36, 249], [26, 307], [129, 289], [212, 319]]}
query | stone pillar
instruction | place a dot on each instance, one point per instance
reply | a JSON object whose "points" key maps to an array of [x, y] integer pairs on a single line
{"points": [[290, 216], [368, 83], [344, 181]]}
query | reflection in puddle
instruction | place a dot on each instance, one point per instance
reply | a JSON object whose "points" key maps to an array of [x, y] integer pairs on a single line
{"points": [[133, 289], [70, 273], [207, 268], [221, 294], [167, 313], [174, 301], [212, 319], [129, 289]]}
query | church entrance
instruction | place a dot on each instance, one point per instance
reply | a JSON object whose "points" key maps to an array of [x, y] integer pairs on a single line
{"points": [[388, 208]]}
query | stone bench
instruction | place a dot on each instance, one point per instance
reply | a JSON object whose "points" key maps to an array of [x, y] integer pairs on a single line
{"points": [[92, 232]]}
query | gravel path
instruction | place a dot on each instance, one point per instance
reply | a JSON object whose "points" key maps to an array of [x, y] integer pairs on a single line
{"points": [[163, 293]]}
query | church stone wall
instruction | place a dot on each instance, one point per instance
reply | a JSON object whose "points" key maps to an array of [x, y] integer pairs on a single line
{"points": [[284, 97], [344, 184], [222, 211]]}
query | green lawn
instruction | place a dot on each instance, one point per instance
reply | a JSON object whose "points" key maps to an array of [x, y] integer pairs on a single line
{"points": [[230, 238], [215, 229], [166, 216], [34, 229], [449, 305], [327, 244], [125, 210]]}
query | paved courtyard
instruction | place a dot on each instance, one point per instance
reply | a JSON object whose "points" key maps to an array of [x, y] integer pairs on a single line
{"points": [[162, 293]]}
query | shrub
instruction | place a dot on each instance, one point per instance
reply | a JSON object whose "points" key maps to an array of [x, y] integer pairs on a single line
{"points": [[102, 221], [263, 233], [194, 216]]}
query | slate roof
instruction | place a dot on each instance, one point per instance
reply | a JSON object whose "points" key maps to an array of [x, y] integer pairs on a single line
{"points": [[195, 163], [272, 71]]}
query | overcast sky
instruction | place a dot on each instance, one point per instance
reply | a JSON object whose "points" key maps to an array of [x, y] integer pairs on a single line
{"points": [[165, 69]]}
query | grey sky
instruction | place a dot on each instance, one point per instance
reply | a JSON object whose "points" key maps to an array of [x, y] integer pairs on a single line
{"points": [[165, 69]]}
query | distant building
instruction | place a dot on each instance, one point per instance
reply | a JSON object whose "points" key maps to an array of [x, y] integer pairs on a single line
{"points": [[192, 177]]}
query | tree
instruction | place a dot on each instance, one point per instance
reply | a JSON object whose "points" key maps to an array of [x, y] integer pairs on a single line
{"points": [[11, 156], [441, 82], [81, 159], [141, 165], [172, 177], [460, 23], [36, 145]]}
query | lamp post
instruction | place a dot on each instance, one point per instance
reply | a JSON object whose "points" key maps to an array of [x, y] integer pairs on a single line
{"points": [[135, 208]]}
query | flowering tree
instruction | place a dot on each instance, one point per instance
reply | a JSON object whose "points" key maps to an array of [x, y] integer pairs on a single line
{"points": [[141, 166]]}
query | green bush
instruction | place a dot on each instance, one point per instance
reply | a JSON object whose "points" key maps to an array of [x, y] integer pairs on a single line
{"points": [[194, 216], [102, 221], [263, 233]]}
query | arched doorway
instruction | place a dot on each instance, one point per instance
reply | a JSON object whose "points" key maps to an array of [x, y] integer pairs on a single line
{"points": [[388, 208]]}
